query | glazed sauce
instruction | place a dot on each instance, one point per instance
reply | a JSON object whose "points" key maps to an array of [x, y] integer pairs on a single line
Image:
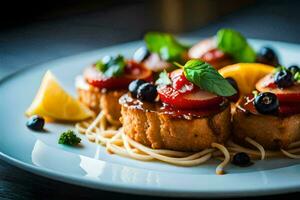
{"points": [[246, 105], [172, 112]]}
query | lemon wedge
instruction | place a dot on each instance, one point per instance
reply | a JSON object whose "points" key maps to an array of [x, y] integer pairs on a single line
{"points": [[52, 101], [246, 74]]}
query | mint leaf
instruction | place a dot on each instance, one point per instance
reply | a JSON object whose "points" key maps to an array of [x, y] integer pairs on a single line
{"points": [[111, 66], [165, 45], [163, 79], [236, 45], [207, 78]]}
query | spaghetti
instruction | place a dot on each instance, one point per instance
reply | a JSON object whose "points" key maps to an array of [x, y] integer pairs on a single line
{"points": [[109, 134]]}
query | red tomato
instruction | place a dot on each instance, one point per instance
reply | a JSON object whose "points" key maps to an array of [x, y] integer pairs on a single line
{"points": [[195, 99], [180, 83], [133, 71], [289, 94]]}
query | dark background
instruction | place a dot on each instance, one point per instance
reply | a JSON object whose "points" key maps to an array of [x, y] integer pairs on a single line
{"points": [[33, 32]]}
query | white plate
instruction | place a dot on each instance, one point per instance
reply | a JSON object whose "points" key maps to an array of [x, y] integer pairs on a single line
{"points": [[40, 153]]}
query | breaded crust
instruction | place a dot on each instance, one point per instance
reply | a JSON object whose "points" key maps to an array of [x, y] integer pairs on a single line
{"points": [[161, 131], [271, 132], [107, 101]]}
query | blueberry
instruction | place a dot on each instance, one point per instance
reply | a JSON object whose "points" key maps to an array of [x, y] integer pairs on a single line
{"points": [[294, 69], [147, 92], [266, 103], [267, 55], [232, 83], [141, 54], [283, 78], [134, 86], [36, 123], [241, 159]]}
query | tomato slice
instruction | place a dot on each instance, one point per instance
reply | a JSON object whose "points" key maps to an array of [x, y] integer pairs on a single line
{"points": [[196, 99], [180, 82], [133, 71], [290, 94]]}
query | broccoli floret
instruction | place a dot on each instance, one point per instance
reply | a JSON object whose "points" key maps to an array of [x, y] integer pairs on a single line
{"points": [[69, 138]]}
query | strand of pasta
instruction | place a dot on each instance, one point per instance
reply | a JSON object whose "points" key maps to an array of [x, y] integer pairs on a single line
{"points": [[258, 146], [290, 155], [110, 144], [203, 155], [237, 148], [221, 166], [116, 141], [133, 154]]}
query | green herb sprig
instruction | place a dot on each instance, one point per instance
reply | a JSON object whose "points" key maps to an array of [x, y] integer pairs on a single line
{"points": [[166, 46], [111, 66], [297, 77], [207, 78], [236, 45], [69, 138]]}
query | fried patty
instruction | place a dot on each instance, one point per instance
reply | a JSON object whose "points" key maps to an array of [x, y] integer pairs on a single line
{"points": [[97, 100], [272, 132], [162, 131]]}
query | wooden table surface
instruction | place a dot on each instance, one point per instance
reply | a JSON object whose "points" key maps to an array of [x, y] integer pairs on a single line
{"points": [[41, 42]]}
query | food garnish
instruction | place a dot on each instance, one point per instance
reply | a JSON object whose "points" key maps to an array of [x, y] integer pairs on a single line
{"points": [[283, 78], [166, 46], [134, 86], [184, 94], [266, 103], [246, 74], [163, 79], [236, 45], [69, 138], [36, 123], [294, 68], [111, 66], [267, 55], [52, 101], [241, 159], [207, 78], [132, 71], [297, 77], [147, 92]]}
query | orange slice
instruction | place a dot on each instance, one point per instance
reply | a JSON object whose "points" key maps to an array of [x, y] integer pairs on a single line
{"points": [[246, 74]]}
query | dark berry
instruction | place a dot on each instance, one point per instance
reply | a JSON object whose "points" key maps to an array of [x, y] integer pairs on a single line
{"points": [[294, 69], [235, 97], [267, 55], [141, 54], [266, 103], [283, 78], [241, 159], [232, 83], [36, 123], [147, 92], [134, 86]]}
